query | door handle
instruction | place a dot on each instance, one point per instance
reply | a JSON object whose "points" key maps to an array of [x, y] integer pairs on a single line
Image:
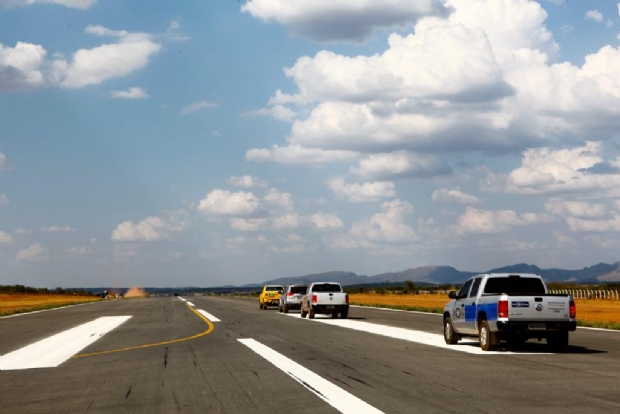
{"points": [[462, 305]]}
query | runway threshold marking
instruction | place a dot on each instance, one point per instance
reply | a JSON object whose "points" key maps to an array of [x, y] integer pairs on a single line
{"points": [[53, 351], [173, 341], [411, 335], [333, 395]]}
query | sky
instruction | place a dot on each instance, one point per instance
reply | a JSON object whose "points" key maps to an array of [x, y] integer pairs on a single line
{"points": [[207, 143]]}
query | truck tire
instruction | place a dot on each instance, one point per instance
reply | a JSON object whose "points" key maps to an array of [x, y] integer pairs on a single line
{"points": [[284, 308], [558, 342], [488, 340], [279, 308], [449, 335], [260, 305], [344, 314], [311, 314], [334, 315]]}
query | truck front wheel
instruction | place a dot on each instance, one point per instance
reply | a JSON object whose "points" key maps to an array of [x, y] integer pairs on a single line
{"points": [[488, 340], [449, 335]]}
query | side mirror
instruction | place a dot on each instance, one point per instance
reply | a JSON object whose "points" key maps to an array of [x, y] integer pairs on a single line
{"points": [[452, 294]]}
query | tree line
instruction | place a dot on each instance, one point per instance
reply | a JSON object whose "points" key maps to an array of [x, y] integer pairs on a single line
{"points": [[56, 291]]}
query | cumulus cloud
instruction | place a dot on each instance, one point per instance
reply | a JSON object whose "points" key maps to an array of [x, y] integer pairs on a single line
{"points": [[56, 229], [317, 221], [325, 221], [242, 224], [387, 226], [279, 112], [444, 195], [75, 4], [495, 222], [356, 192], [196, 106], [34, 252], [595, 15], [130, 53], [278, 198], [342, 20], [580, 209], [247, 181], [131, 93], [400, 164], [5, 238], [225, 203], [546, 171], [151, 229], [296, 154], [21, 66], [594, 226]]}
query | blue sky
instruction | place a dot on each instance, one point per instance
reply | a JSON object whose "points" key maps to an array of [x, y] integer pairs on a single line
{"points": [[224, 142]]}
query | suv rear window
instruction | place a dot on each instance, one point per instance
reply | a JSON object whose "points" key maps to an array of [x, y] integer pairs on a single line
{"points": [[299, 289], [326, 287], [514, 286]]}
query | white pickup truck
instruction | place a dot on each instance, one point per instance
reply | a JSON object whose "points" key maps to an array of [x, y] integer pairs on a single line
{"points": [[508, 307], [325, 298]]}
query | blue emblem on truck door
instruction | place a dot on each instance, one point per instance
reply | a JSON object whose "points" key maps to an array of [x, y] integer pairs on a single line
{"points": [[520, 304]]}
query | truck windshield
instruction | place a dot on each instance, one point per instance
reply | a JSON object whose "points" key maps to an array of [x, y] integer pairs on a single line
{"points": [[326, 288], [514, 286]]}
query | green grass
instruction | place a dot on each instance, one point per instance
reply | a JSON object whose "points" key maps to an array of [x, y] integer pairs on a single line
{"points": [[40, 307], [401, 307]]}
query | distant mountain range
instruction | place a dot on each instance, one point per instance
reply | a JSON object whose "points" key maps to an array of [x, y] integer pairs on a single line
{"points": [[438, 275]]}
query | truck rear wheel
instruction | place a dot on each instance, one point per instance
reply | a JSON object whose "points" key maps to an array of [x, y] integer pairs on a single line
{"points": [[334, 315], [344, 314], [488, 340], [284, 308], [449, 335], [558, 342], [260, 305]]}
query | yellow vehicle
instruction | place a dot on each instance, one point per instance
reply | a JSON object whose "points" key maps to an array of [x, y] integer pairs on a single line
{"points": [[270, 296]]}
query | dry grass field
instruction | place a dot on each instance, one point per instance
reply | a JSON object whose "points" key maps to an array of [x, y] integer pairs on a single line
{"points": [[23, 302], [588, 310]]}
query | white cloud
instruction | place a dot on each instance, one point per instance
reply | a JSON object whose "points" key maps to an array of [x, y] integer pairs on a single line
{"points": [[20, 66], [35, 252], [387, 226], [296, 154], [401, 164], [288, 221], [495, 222], [279, 112], [23, 231], [546, 171], [151, 229], [277, 198], [222, 202], [356, 192], [131, 52], [5, 238], [247, 224], [342, 20], [197, 106], [444, 195], [594, 226], [4, 199], [325, 221], [595, 15], [172, 32], [247, 181], [580, 209], [131, 93], [75, 4], [79, 251], [567, 28], [56, 229]]}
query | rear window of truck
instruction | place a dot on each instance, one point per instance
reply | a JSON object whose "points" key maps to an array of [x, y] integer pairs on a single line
{"points": [[327, 287], [514, 286], [273, 288]]}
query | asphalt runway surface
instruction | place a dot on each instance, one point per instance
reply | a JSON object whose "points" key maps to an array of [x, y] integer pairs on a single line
{"points": [[168, 357]]}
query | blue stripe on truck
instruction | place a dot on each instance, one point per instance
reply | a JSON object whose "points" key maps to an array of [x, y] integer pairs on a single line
{"points": [[471, 311]]}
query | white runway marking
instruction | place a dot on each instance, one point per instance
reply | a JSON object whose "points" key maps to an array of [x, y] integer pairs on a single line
{"points": [[182, 299], [56, 349], [208, 315], [190, 304], [328, 392], [411, 335]]}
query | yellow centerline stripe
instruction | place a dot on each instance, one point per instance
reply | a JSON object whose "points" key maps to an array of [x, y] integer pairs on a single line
{"points": [[129, 348]]}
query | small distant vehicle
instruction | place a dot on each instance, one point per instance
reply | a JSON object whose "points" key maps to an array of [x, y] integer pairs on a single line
{"points": [[270, 296], [291, 298], [509, 307], [325, 298]]}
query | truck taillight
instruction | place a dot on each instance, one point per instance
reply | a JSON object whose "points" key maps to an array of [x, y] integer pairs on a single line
{"points": [[573, 309], [502, 309], [314, 299], [346, 298]]}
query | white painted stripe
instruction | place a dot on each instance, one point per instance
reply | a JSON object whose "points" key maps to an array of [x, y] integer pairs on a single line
{"points": [[182, 299], [420, 337], [396, 310], [190, 304], [335, 396], [56, 349], [208, 316]]}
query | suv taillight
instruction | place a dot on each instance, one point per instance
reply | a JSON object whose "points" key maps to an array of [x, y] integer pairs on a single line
{"points": [[290, 294], [573, 309], [502, 309], [314, 299], [346, 298]]}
